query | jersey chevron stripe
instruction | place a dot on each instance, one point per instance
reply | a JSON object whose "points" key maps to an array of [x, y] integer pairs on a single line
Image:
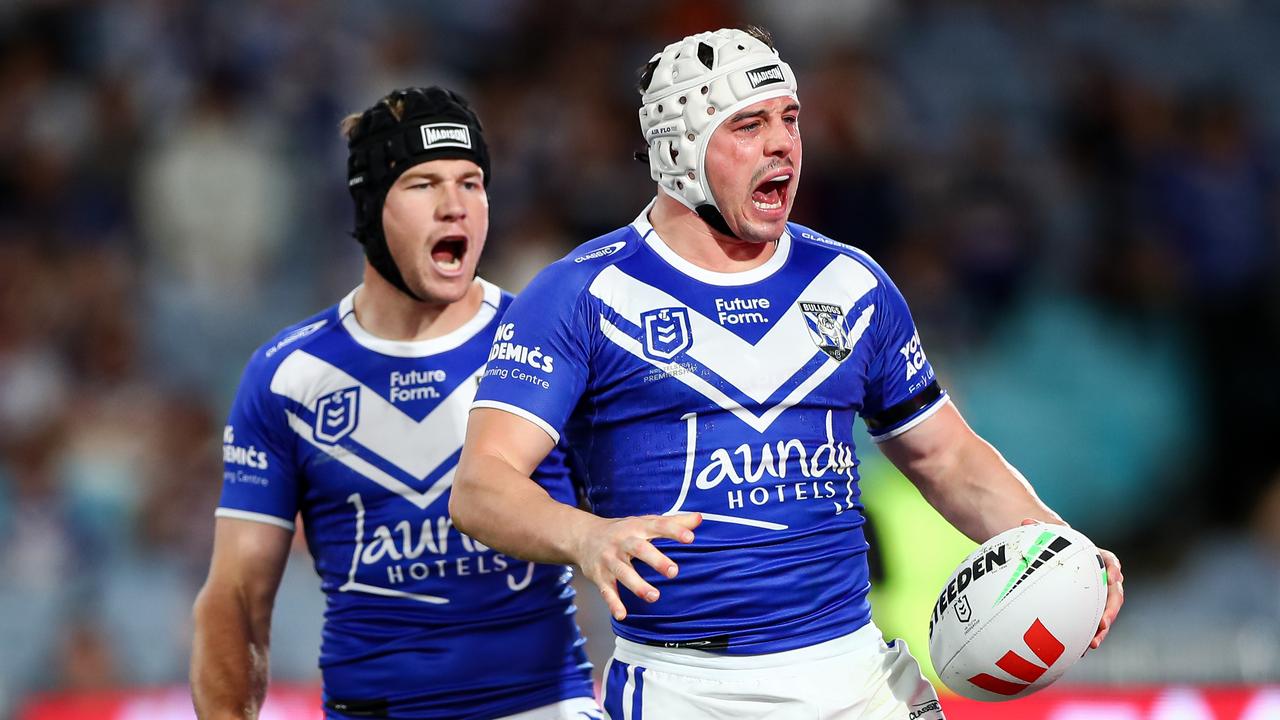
{"points": [[759, 423], [417, 447], [421, 499], [760, 369], [390, 468]]}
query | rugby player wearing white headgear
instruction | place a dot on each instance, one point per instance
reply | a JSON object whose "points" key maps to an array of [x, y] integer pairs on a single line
{"points": [[707, 363]]}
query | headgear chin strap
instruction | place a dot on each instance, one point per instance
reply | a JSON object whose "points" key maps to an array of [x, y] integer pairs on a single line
{"points": [[436, 124], [689, 89]]}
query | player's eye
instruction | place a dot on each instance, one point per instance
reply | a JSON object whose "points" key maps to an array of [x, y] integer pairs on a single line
{"points": [[420, 185]]}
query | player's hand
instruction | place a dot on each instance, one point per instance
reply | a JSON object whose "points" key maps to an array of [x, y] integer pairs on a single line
{"points": [[1115, 593], [1115, 596], [606, 549]]}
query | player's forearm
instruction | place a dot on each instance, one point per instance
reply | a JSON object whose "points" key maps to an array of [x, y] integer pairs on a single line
{"points": [[494, 503], [979, 492], [228, 657]]}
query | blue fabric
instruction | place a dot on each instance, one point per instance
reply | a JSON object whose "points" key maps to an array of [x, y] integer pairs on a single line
{"points": [[363, 444], [680, 392]]}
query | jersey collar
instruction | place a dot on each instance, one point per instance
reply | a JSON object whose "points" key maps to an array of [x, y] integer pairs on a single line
{"points": [[645, 230], [421, 348]]}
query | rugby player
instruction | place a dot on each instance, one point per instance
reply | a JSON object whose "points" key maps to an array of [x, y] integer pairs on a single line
{"points": [[707, 362], [354, 418]]}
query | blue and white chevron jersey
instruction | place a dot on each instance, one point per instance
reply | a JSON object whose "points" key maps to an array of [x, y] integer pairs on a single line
{"points": [[361, 436], [730, 394]]}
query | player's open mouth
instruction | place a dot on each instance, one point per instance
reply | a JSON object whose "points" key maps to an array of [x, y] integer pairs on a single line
{"points": [[771, 194], [448, 252]]}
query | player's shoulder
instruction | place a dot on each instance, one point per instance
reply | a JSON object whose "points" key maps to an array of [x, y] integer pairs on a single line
{"points": [[502, 297], [810, 240], [268, 356], [573, 273]]}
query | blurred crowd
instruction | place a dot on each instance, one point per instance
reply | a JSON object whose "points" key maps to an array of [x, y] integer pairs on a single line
{"points": [[1080, 202]]}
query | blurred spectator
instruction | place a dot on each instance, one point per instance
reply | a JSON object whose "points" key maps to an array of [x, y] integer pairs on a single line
{"points": [[85, 659], [213, 202], [1214, 199]]}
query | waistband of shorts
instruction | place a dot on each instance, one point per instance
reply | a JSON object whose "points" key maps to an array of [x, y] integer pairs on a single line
{"points": [[864, 640]]}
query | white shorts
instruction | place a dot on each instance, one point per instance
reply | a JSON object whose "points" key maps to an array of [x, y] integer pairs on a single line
{"points": [[571, 709], [855, 677]]}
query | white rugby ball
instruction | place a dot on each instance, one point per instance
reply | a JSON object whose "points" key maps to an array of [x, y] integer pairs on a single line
{"points": [[1018, 612]]}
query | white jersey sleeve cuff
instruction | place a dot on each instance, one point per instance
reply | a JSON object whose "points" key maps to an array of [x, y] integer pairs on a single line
{"points": [[254, 517], [519, 412], [920, 417]]}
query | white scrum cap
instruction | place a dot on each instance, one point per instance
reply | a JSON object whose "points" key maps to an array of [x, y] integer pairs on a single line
{"points": [[693, 86]]}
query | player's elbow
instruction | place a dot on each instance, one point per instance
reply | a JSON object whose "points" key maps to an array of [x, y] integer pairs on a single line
{"points": [[463, 505]]}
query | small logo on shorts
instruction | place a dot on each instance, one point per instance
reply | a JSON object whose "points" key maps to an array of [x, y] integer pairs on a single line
{"points": [[918, 711], [446, 135]]}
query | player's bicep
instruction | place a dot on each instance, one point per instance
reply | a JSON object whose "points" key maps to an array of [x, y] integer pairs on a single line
{"points": [[929, 441], [517, 441], [249, 558]]}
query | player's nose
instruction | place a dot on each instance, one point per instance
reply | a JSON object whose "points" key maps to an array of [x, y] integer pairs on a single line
{"points": [[451, 207], [779, 140]]}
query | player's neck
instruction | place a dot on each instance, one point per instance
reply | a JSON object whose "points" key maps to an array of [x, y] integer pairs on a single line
{"points": [[692, 239], [385, 312]]}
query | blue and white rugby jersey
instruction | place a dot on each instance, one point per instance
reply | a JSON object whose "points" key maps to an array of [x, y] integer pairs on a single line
{"points": [[361, 436], [729, 394]]}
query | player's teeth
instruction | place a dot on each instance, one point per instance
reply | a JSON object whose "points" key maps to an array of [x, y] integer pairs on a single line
{"points": [[767, 206], [450, 264]]}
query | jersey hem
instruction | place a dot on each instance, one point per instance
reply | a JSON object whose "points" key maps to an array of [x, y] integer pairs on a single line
{"points": [[690, 662]]}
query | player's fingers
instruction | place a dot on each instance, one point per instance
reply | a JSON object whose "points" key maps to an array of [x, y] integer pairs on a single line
{"points": [[609, 593], [632, 581], [1115, 598], [1115, 574], [677, 527], [1097, 639], [645, 552]]}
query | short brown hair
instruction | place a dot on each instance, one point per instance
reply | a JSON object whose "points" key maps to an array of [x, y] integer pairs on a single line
{"points": [[393, 102]]}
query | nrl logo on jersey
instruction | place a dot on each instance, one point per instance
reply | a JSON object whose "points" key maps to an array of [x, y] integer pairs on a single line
{"points": [[826, 323], [337, 415], [666, 333]]}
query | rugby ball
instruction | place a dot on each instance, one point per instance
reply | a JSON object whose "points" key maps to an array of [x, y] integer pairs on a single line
{"points": [[1018, 612]]}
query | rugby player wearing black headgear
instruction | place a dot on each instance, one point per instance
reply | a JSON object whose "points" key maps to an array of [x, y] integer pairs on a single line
{"points": [[354, 418]]}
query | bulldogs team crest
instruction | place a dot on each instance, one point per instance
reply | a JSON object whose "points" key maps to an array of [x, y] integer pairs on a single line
{"points": [[666, 333], [337, 414], [826, 323]]}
